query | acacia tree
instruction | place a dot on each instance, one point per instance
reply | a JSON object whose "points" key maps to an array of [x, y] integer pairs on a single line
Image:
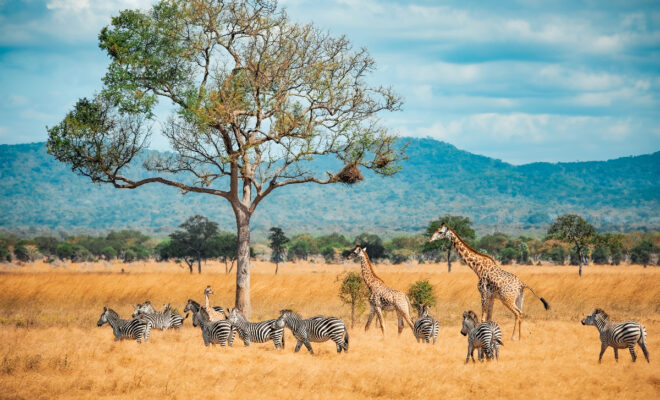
{"points": [[462, 225], [256, 98], [575, 230], [277, 240], [194, 241]]}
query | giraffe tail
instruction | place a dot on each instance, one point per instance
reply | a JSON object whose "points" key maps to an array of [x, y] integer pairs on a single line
{"points": [[546, 305]]}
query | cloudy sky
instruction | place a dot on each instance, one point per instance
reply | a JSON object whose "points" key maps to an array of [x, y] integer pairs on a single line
{"points": [[521, 81]]}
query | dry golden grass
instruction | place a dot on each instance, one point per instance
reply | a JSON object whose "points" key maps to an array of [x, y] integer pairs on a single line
{"points": [[50, 346]]}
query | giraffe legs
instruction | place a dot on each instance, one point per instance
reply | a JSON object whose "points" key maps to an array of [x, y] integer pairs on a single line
{"points": [[489, 309], [518, 322], [371, 317], [379, 314], [400, 322]]}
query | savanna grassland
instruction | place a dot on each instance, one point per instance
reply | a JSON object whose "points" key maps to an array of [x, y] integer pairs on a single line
{"points": [[50, 346]]}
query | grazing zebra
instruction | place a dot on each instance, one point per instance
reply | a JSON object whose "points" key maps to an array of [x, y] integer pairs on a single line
{"points": [[617, 335], [486, 337], [257, 332], [158, 319], [214, 332], [124, 328], [426, 327], [315, 329]]}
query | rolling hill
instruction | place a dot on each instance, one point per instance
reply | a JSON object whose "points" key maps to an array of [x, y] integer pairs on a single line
{"points": [[39, 193]]}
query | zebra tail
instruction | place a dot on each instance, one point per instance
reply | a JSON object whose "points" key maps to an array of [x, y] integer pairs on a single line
{"points": [[346, 339], [546, 305]]}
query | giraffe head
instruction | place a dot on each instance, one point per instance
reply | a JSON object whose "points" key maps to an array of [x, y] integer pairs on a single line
{"points": [[443, 232], [359, 252], [208, 290]]}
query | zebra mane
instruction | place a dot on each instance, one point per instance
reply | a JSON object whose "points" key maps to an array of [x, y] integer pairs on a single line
{"points": [[291, 312], [112, 312], [602, 313]]}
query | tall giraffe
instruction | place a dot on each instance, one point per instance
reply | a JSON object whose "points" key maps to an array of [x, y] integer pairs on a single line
{"points": [[494, 282], [382, 298], [213, 314]]}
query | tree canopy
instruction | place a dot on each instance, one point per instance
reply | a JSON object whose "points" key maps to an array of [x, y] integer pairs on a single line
{"points": [[256, 98], [575, 230], [460, 224]]}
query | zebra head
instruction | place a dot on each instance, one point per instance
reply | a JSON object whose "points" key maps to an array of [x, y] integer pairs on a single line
{"points": [[104, 317], [470, 320], [235, 316], [192, 306], [596, 318], [442, 232]]}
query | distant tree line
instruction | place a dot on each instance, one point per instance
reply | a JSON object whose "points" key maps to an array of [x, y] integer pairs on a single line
{"points": [[569, 240]]}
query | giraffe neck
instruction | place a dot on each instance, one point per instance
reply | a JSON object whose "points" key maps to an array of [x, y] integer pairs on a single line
{"points": [[467, 254], [206, 295], [370, 278]]}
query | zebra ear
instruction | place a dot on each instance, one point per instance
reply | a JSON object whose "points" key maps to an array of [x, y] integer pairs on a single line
{"points": [[105, 309]]}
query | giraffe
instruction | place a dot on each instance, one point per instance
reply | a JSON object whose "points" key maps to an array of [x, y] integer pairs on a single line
{"points": [[213, 314], [494, 282], [382, 298]]}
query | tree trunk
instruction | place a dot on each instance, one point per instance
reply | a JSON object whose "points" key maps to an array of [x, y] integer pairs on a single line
{"points": [[189, 263], [199, 264], [243, 265], [579, 263], [352, 314], [449, 260], [277, 266]]}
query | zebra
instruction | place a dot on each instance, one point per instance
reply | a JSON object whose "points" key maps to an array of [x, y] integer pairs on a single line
{"points": [[124, 328], [158, 319], [315, 329], [426, 326], [258, 332], [486, 337], [617, 335], [214, 332]]}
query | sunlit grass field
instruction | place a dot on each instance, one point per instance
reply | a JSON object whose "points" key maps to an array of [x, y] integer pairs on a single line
{"points": [[50, 346]]}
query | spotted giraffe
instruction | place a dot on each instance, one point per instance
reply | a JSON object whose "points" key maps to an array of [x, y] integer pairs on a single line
{"points": [[213, 314], [494, 282], [382, 298]]}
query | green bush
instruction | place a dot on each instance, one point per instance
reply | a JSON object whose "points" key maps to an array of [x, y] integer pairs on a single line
{"points": [[421, 293]]}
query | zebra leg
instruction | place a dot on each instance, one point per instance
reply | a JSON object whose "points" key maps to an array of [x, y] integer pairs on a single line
{"points": [[230, 339], [603, 347], [469, 352], [616, 354], [643, 346], [309, 346], [632, 352], [297, 349], [345, 344]]}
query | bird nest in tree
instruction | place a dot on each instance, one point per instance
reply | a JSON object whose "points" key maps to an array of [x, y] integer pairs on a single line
{"points": [[382, 161], [349, 175]]}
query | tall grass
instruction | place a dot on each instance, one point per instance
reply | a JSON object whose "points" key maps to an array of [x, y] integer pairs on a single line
{"points": [[50, 345]]}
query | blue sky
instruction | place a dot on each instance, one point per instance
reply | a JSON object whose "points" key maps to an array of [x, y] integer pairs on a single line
{"points": [[521, 81]]}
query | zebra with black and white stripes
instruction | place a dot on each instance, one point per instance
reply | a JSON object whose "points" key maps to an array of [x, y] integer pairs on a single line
{"points": [[315, 329], [618, 335], [158, 319], [485, 337], [214, 332], [257, 332], [426, 327], [125, 328], [194, 306]]}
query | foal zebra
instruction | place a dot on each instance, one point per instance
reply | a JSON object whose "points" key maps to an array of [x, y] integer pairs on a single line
{"points": [[257, 332], [146, 308], [617, 335], [214, 332], [315, 329], [486, 337], [124, 328], [426, 326]]}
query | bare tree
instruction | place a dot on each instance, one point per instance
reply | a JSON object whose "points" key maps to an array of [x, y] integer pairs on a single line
{"points": [[256, 97]]}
